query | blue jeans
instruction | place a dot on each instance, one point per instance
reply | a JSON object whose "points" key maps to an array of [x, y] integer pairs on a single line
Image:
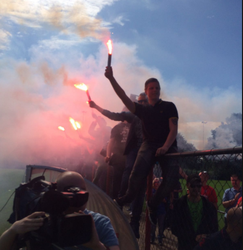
{"points": [[144, 161]]}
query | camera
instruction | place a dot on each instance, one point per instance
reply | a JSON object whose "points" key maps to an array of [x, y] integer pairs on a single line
{"points": [[59, 229]]}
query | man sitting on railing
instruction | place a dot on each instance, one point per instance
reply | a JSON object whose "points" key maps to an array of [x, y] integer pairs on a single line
{"points": [[194, 217], [229, 238]]}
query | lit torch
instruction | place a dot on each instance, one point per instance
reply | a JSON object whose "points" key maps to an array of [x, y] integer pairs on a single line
{"points": [[76, 125], [109, 45], [61, 128], [83, 87]]}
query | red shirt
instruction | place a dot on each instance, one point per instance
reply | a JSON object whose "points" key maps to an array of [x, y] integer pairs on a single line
{"points": [[209, 193]]}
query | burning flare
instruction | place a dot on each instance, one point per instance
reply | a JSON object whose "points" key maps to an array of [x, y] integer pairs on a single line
{"points": [[109, 45], [81, 86], [61, 128], [76, 125]]}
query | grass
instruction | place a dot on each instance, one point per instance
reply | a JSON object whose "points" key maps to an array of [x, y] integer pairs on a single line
{"points": [[9, 181]]}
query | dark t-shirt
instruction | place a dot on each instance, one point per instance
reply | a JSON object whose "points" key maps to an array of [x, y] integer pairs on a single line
{"points": [[155, 120], [120, 133], [135, 136]]}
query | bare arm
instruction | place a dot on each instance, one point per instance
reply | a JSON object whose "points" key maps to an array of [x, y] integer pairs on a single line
{"points": [[119, 91], [230, 203], [182, 173], [30, 223], [173, 124]]}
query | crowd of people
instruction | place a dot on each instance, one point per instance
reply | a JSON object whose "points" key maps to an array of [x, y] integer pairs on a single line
{"points": [[125, 154]]}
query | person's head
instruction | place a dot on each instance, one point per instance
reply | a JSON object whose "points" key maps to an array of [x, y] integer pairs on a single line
{"points": [[143, 99], [194, 185], [204, 177], [71, 179], [235, 181], [156, 183], [152, 89], [234, 221]]}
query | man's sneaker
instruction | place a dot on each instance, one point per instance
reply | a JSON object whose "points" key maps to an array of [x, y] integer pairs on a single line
{"points": [[152, 213]]}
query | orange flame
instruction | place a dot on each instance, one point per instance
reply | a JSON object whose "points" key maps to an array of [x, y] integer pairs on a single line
{"points": [[73, 123], [81, 86], [61, 128], [78, 125], [109, 45]]}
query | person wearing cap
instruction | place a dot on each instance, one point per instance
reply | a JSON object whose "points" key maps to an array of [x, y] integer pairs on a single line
{"points": [[229, 238], [208, 191], [194, 217], [103, 234]]}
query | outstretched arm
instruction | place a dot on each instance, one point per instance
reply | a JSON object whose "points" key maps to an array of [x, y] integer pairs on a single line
{"points": [[93, 105], [123, 116], [119, 91]]}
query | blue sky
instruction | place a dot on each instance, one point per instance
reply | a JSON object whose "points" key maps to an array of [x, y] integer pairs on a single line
{"points": [[194, 47]]}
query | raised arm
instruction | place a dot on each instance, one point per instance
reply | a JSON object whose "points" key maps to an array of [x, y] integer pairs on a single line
{"points": [[119, 91]]}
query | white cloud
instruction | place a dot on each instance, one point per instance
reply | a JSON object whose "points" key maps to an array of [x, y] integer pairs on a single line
{"points": [[75, 17], [120, 20], [4, 39]]}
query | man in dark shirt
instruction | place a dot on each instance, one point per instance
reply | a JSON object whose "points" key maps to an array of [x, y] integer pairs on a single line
{"points": [[160, 127], [229, 238]]}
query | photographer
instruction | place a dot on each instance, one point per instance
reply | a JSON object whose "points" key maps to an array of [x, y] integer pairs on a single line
{"points": [[103, 234], [65, 224]]}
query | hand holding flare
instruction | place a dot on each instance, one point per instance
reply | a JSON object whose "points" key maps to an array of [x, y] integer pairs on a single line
{"points": [[83, 87], [109, 45]]}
